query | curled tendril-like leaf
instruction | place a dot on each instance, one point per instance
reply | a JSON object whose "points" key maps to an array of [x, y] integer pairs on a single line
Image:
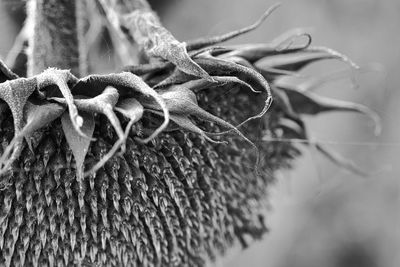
{"points": [[185, 123], [203, 42], [198, 85], [335, 54], [181, 94], [220, 67], [288, 38], [267, 105], [312, 104], [78, 144], [180, 100], [254, 52], [298, 59]]}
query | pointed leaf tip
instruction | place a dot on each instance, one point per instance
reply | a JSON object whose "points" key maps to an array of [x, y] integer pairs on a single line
{"points": [[312, 104], [78, 144], [157, 41], [178, 55]]}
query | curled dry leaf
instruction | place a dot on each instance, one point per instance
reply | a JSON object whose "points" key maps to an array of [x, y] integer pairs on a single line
{"points": [[187, 124], [15, 93], [62, 79], [219, 70], [297, 60], [36, 117], [253, 52], [39, 115], [182, 102], [203, 42], [104, 104], [220, 67], [198, 85], [156, 41], [312, 104], [127, 84]]}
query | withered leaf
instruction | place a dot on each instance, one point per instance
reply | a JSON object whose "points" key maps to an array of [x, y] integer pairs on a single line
{"points": [[182, 101], [15, 93], [61, 79], [220, 67], [39, 115], [253, 52], [156, 41], [78, 144], [127, 84], [298, 59], [185, 123], [203, 42], [104, 103], [312, 104], [221, 81]]}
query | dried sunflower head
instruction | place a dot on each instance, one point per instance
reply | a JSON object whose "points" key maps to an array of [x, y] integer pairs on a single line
{"points": [[165, 163]]}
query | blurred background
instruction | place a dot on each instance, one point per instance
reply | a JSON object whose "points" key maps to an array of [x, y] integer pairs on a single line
{"points": [[321, 215]]}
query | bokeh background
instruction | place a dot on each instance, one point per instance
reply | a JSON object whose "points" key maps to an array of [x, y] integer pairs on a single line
{"points": [[321, 215]]}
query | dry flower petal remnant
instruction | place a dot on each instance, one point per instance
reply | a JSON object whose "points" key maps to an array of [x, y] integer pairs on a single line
{"points": [[154, 165]]}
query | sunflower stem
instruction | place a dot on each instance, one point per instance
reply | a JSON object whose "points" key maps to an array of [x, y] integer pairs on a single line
{"points": [[55, 40]]}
